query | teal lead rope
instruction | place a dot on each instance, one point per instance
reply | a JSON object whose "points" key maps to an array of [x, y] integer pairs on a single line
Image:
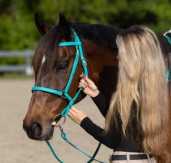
{"points": [[63, 135], [53, 151]]}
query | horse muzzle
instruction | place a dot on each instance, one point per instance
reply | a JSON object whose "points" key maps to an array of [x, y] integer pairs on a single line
{"points": [[35, 131]]}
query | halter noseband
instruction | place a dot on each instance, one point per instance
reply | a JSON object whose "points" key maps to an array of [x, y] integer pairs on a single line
{"points": [[64, 93]]}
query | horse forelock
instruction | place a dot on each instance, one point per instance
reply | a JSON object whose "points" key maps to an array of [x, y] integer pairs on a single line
{"points": [[47, 49], [100, 34]]}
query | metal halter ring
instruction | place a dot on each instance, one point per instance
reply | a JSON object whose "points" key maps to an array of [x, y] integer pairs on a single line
{"points": [[59, 124], [62, 97]]}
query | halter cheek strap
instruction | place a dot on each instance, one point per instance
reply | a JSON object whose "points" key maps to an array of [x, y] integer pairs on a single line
{"points": [[168, 75], [64, 93]]}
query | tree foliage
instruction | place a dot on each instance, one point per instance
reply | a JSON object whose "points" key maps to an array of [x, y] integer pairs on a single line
{"points": [[18, 31]]}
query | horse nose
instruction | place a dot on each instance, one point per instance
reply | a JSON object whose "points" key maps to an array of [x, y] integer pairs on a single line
{"points": [[33, 131], [36, 129]]}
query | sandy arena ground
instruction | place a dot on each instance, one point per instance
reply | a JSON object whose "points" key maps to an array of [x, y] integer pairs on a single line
{"points": [[16, 147]]}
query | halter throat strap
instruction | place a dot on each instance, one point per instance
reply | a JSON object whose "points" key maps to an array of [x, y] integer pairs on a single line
{"points": [[64, 93]]}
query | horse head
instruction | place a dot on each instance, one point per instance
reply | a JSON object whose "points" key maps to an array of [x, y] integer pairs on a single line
{"points": [[52, 66]]}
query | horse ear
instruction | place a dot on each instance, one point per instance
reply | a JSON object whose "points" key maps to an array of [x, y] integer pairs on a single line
{"points": [[42, 27], [64, 27]]}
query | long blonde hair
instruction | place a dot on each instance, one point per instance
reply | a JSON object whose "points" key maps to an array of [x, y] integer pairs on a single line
{"points": [[141, 81]]}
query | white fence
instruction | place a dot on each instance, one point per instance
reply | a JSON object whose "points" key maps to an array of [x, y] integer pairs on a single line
{"points": [[16, 68]]}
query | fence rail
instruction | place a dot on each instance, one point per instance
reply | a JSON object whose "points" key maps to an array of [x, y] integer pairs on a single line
{"points": [[16, 68]]}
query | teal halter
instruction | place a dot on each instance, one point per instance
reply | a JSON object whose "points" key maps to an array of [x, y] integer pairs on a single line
{"points": [[64, 94], [168, 39], [167, 75]]}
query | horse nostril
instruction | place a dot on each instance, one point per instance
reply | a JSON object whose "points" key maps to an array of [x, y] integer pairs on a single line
{"points": [[36, 129]]}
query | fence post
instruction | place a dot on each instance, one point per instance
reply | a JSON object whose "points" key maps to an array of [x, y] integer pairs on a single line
{"points": [[29, 69], [21, 53]]}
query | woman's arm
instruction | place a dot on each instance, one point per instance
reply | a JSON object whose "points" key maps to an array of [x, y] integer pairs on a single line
{"points": [[111, 139], [91, 89], [101, 103]]}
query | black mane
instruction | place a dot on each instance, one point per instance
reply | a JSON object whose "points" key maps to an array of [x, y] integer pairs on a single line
{"points": [[104, 35], [100, 34]]}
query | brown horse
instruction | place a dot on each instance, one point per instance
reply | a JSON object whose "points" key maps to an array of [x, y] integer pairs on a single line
{"points": [[52, 66]]}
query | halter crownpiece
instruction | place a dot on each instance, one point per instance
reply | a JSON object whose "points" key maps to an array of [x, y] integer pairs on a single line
{"points": [[64, 94]]}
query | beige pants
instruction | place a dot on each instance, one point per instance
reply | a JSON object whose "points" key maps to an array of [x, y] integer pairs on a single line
{"points": [[149, 160]]}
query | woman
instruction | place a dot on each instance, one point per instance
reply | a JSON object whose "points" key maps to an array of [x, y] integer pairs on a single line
{"points": [[137, 118]]}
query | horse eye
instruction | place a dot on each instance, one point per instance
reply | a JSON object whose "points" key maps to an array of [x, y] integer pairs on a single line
{"points": [[61, 67]]}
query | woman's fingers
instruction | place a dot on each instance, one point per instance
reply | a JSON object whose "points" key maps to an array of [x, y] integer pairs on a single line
{"points": [[83, 81], [81, 76], [82, 85], [89, 81], [73, 110], [71, 113], [76, 115], [85, 78]]}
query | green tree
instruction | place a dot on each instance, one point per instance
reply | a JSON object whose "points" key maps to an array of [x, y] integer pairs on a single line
{"points": [[18, 31]]}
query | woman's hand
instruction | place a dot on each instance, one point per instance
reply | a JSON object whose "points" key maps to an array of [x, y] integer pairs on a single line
{"points": [[76, 115], [89, 88]]}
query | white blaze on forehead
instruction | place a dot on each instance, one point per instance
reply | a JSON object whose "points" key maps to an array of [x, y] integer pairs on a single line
{"points": [[167, 32], [43, 60]]}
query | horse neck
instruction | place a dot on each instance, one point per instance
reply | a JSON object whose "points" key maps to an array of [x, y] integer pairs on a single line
{"points": [[102, 66]]}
